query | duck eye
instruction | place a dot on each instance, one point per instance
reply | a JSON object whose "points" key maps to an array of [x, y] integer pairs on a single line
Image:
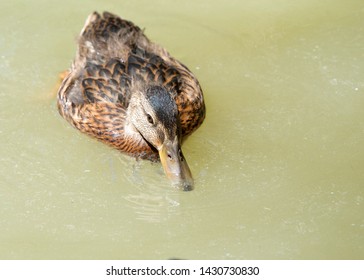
{"points": [[150, 119]]}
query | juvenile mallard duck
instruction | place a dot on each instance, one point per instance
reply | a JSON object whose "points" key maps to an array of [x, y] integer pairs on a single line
{"points": [[131, 94]]}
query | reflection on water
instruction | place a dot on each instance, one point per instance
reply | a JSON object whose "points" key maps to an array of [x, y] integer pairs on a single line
{"points": [[277, 163]]}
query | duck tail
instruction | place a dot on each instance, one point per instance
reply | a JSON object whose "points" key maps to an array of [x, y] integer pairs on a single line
{"points": [[106, 36]]}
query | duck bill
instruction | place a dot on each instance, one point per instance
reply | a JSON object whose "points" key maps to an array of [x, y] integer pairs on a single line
{"points": [[175, 165]]}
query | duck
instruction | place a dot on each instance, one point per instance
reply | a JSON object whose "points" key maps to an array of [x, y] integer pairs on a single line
{"points": [[131, 94]]}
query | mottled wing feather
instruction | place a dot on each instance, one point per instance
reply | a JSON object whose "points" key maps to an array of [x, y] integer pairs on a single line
{"points": [[108, 36], [106, 83]]}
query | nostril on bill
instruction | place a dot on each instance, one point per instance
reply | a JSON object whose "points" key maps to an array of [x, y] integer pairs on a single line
{"points": [[187, 187]]}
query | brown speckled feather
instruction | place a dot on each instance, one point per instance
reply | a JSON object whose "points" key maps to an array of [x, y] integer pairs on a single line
{"points": [[114, 59]]}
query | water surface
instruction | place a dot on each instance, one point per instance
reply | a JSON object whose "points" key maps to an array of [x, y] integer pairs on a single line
{"points": [[278, 163]]}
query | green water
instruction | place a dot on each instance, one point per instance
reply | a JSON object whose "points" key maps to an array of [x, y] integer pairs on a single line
{"points": [[278, 163]]}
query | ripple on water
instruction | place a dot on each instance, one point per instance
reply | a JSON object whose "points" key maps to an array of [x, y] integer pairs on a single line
{"points": [[151, 196]]}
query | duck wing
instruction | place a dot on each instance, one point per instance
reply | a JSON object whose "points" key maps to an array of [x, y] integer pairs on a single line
{"points": [[108, 36]]}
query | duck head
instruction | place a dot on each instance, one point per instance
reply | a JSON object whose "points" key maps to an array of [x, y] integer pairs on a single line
{"points": [[154, 114]]}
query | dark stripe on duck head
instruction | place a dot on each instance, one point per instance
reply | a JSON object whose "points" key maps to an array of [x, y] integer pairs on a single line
{"points": [[164, 107]]}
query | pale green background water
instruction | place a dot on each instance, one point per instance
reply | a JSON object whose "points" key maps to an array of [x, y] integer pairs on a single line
{"points": [[278, 162]]}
